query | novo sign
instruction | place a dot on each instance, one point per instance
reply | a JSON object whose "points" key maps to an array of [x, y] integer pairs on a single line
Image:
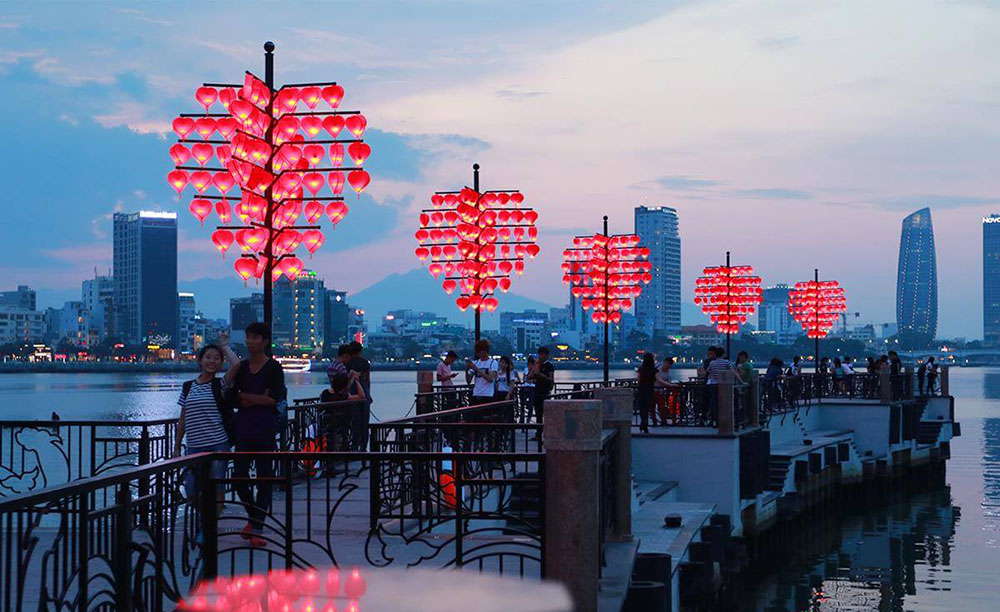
{"points": [[993, 219]]}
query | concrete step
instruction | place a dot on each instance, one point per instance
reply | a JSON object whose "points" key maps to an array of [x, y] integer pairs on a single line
{"points": [[654, 490]]}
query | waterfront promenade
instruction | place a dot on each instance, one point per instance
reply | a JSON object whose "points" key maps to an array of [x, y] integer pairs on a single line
{"points": [[472, 488]]}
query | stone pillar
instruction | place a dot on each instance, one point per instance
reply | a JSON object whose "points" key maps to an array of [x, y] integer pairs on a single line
{"points": [[617, 415], [753, 400], [571, 435], [884, 386], [726, 416], [943, 381], [908, 389], [425, 384]]}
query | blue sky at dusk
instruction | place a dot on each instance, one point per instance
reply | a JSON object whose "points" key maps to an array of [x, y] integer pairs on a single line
{"points": [[796, 135]]}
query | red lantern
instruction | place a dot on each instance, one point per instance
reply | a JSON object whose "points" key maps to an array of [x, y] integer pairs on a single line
{"points": [[183, 126], [201, 209], [245, 267], [356, 125], [727, 294], [223, 239], [333, 94], [359, 152], [178, 179], [358, 179], [206, 96]]}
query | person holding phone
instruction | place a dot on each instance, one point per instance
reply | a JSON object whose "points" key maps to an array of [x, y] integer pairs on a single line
{"points": [[482, 374]]}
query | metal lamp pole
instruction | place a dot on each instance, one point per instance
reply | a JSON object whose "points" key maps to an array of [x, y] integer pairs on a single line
{"points": [[478, 313], [269, 196], [816, 319], [729, 290], [606, 309]]}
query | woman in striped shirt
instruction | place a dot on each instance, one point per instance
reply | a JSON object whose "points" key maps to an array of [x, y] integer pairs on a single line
{"points": [[202, 420]]}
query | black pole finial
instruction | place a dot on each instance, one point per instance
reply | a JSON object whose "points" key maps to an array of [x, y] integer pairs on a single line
{"points": [[475, 166], [269, 47]]}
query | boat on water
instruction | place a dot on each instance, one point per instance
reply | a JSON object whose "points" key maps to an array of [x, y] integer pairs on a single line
{"points": [[294, 364]]}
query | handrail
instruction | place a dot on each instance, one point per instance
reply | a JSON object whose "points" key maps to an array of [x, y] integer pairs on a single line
{"points": [[450, 413]]}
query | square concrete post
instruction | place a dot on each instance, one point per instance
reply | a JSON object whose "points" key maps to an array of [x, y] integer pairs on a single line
{"points": [[617, 415], [571, 435], [884, 387], [908, 385], [753, 400], [943, 381], [727, 416]]}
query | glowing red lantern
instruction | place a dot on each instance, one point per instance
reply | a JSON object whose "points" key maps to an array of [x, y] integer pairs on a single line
{"points": [[728, 295], [817, 305], [471, 239], [272, 167], [604, 271]]}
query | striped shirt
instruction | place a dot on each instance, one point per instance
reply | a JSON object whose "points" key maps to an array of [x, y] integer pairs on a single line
{"points": [[202, 419], [718, 365]]}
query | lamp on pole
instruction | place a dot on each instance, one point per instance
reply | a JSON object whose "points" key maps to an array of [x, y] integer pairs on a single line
{"points": [[817, 305], [476, 241], [273, 154], [728, 295], [607, 273]]}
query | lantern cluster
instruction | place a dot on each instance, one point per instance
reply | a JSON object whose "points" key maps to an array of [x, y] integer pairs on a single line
{"points": [[816, 305], [475, 242], [728, 295], [270, 169], [607, 273], [308, 590]]}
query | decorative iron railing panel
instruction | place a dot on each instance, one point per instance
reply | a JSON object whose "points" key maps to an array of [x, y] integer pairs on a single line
{"points": [[133, 541]]}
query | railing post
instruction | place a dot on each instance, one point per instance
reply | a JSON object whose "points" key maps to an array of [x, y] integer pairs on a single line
{"points": [[753, 400], [908, 382], [571, 435], [425, 384], [122, 561], [209, 510], [617, 415], [884, 387], [945, 391], [726, 417], [83, 550], [144, 459]]}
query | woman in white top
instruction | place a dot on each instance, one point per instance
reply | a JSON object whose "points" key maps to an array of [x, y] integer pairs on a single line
{"points": [[507, 380]]}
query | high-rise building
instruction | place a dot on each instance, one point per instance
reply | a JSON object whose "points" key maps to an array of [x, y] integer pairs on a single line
{"points": [[145, 277], [23, 297], [242, 312], [658, 307], [991, 279], [773, 315], [186, 322], [299, 308], [98, 297], [336, 314], [916, 280], [526, 331]]}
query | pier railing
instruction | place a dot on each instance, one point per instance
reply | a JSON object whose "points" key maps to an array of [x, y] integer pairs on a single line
{"points": [[134, 541], [35, 455], [693, 404]]}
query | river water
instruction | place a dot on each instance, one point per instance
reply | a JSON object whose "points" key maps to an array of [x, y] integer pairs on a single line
{"points": [[936, 550]]}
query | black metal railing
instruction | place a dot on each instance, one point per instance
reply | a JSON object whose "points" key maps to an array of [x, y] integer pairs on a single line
{"points": [[35, 455], [691, 404], [608, 487], [135, 540]]}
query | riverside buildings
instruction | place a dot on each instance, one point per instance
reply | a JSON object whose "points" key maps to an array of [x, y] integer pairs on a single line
{"points": [[145, 277], [991, 280], [658, 308], [916, 280], [773, 315]]}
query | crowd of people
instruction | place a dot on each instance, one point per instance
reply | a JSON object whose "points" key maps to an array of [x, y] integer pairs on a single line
{"points": [[652, 378]]}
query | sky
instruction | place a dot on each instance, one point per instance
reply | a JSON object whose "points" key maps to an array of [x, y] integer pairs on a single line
{"points": [[794, 134]]}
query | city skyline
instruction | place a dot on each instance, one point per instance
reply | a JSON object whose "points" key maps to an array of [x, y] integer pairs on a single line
{"points": [[838, 177]]}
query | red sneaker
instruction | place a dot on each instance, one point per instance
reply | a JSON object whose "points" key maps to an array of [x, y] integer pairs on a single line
{"points": [[257, 541], [247, 532]]}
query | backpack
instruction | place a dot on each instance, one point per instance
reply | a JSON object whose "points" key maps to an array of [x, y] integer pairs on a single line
{"points": [[222, 402]]}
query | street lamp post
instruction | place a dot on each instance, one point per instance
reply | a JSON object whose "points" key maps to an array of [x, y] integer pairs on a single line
{"points": [[272, 153], [607, 273], [728, 295], [817, 305], [476, 241]]}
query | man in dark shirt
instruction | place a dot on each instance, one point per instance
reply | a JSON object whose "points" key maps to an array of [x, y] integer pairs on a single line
{"points": [[543, 375], [359, 364], [259, 383]]}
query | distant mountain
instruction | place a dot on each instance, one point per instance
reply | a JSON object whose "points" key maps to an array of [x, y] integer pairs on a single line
{"points": [[417, 290]]}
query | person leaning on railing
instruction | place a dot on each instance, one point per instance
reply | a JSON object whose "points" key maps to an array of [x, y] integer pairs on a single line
{"points": [[338, 421], [483, 371], [446, 378]]}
